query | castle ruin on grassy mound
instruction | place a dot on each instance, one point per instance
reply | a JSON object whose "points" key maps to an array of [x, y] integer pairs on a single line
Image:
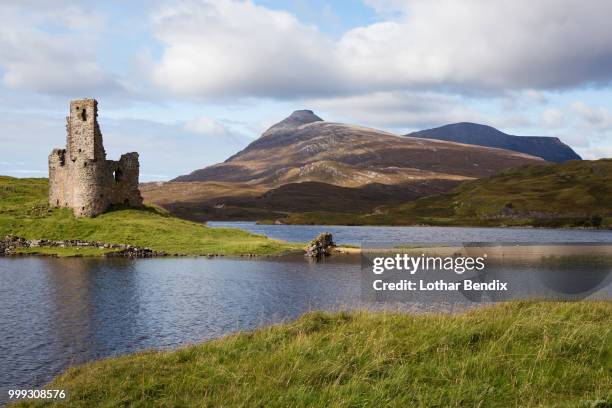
{"points": [[80, 177]]}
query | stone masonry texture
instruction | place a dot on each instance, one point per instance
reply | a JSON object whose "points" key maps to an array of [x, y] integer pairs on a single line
{"points": [[80, 177]]}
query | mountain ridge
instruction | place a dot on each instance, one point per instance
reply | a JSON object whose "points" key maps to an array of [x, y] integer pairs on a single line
{"points": [[549, 148], [304, 147]]}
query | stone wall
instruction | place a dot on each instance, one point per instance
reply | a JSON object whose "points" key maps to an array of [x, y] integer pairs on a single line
{"points": [[80, 177]]}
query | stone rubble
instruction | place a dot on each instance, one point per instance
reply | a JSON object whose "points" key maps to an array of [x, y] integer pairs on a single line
{"points": [[10, 243]]}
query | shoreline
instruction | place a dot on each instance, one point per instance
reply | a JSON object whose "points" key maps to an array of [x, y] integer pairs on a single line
{"points": [[14, 246], [451, 225]]}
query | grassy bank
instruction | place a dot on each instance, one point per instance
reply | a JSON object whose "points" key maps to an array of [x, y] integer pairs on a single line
{"points": [[513, 354], [571, 194], [24, 212]]}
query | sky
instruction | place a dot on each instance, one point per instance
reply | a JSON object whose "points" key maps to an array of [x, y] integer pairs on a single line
{"points": [[189, 83]]}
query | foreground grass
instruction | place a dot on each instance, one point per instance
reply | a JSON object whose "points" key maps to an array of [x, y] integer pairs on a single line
{"points": [[513, 354], [571, 194], [24, 212]]}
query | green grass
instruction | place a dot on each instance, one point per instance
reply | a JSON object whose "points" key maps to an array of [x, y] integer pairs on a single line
{"points": [[24, 212], [571, 194], [523, 354]]}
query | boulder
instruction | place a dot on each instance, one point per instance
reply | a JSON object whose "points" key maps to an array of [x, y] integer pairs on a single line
{"points": [[320, 246]]}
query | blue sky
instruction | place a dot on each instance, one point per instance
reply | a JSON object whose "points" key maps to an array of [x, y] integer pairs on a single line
{"points": [[188, 83]]}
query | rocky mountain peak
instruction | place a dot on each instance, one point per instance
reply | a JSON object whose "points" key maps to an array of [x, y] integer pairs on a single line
{"points": [[297, 118]]}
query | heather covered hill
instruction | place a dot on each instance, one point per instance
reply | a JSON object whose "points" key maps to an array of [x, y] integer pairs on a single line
{"points": [[549, 148], [571, 194]]}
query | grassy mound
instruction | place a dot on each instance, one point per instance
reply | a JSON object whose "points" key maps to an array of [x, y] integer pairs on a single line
{"points": [[24, 212], [571, 194], [514, 354]]}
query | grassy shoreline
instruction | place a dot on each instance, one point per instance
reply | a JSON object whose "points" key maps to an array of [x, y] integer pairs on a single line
{"points": [[24, 212], [386, 220], [510, 354]]}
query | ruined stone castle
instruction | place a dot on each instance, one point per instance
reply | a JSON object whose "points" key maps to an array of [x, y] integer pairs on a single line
{"points": [[80, 177]]}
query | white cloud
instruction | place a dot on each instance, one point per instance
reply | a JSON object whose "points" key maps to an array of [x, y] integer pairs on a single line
{"points": [[595, 152], [229, 48], [226, 47], [399, 110], [206, 126], [493, 45], [59, 59], [552, 118], [597, 117], [535, 96]]}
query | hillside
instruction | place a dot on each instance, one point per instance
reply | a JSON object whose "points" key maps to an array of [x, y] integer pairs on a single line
{"points": [[548, 148], [304, 163], [303, 147], [574, 194], [516, 354], [24, 212]]}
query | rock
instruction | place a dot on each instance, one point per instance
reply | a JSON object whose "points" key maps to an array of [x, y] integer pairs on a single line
{"points": [[10, 243], [320, 246], [134, 252]]}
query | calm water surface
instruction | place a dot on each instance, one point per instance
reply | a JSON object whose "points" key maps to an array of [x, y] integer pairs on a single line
{"points": [[404, 235], [55, 313]]}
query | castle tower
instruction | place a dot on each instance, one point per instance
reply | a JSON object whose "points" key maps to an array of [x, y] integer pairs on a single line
{"points": [[84, 139], [80, 177]]}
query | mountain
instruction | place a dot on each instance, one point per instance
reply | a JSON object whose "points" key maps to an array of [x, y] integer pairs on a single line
{"points": [[303, 147], [548, 148], [304, 163], [572, 194]]}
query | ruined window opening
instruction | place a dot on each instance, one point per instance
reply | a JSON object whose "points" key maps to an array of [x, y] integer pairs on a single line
{"points": [[126, 202], [84, 164], [118, 175], [83, 208], [84, 115], [57, 202]]}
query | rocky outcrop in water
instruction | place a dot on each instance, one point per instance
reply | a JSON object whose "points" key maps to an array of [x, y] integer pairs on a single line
{"points": [[320, 246]]}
